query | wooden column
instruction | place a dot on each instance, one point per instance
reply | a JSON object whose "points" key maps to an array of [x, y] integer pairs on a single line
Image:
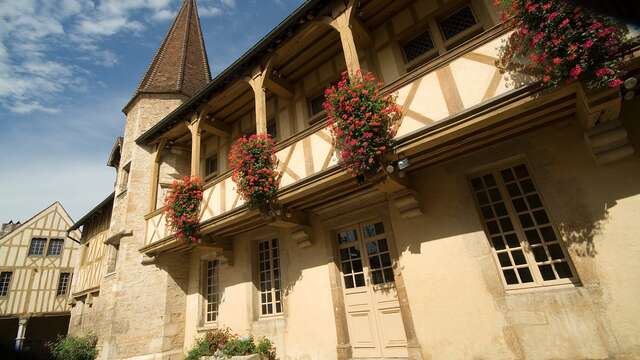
{"points": [[155, 175], [257, 84], [342, 23], [196, 139]]}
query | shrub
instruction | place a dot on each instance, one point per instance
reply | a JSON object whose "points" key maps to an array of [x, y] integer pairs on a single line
{"points": [[362, 122], [183, 206], [217, 338], [74, 348], [201, 348], [239, 346], [266, 349], [556, 41], [254, 163]]}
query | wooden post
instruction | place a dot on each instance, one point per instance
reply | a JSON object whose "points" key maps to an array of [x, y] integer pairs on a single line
{"points": [[342, 23], [257, 81], [155, 172], [196, 137]]}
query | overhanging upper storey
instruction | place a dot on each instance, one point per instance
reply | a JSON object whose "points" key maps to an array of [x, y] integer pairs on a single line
{"points": [[440, 61]]}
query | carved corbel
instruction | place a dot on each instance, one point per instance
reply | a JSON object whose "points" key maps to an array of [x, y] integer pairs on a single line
{"points": [[302, 236], [597, 106], [148, 260], [401, 196]]}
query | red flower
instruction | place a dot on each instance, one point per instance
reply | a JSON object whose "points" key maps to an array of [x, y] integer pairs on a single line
{"points": [[575, 71], [588, 43], [615, 83]]}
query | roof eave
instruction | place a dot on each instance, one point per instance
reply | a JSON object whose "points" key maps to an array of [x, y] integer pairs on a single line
{"points": [[229, 72]]}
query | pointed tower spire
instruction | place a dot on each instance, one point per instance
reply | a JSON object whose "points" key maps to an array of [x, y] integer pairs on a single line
{"points": [[180, 65]]}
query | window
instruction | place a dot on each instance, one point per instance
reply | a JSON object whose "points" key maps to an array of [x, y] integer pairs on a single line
{"points": [[55, 247], [211, 165], [124, 179], [269, 265], [437, 34], [457, 22], [211, 291], [36, 248], [113, 259], [525, 243], [379, 257], [316, 105], [5, 281], [272, 128], [418, 46], [63, 283]]}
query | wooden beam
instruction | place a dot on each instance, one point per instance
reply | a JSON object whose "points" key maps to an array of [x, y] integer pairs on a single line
{"points": [[279, 86], [342, 23], [195, 127], [217, 128], [155, 172]]}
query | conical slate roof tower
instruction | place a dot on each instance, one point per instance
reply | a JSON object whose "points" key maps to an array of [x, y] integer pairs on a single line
{"points": [[180, 65]]}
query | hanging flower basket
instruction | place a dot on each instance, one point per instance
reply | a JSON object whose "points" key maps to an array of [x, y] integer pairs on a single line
{"points": [[254, 166], [182, 208], [557, 42], [362, 122]]}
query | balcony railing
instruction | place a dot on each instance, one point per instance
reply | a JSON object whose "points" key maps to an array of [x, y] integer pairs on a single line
{"points": [[429, 94]]}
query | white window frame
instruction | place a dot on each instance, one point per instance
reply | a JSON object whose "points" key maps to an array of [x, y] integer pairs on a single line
{"points": [[44, 246], [531, 263], [64, 284], [5, 285], [269, 275], [52, 241], [210, 287]]}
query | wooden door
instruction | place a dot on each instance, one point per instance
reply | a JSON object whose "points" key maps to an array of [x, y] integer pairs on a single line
{"points": [[371, 301]]}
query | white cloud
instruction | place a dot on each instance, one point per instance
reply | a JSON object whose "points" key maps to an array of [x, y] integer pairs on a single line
{"points": [[229, 3], [163, 15], [108, 26], [209, 11], [26, 108]]}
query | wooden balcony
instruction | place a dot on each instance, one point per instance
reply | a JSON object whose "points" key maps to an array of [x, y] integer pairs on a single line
{"points": [[461, 94]]}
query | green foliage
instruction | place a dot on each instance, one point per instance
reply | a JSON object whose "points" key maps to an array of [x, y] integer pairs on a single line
{"points": [[266, 349], [74, 348], [201, 348], [239, 346]]}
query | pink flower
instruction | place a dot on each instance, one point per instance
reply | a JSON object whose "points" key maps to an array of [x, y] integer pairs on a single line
{"points": [[557, 60], [575, 71], [603, 72], [564, 23], [615, 83], [588, 43]]}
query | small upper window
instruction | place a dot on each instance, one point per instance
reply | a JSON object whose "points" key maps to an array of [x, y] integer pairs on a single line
{"points": [[36, 248], [316, 104], [55, 247], [458, 22], [418, 46], [124, 179], [211, 165], [63, 283], [272, 128], [5, 281]]}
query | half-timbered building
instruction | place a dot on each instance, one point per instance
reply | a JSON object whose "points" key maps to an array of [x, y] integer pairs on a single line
{"points": [[506, 230], [36, 269]]}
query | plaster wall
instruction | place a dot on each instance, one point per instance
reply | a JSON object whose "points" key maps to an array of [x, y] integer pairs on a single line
{"points": [[306, 329], [460, 307]]}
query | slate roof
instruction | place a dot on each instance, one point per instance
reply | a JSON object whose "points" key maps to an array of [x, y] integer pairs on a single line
{"points": [[180, 66]]}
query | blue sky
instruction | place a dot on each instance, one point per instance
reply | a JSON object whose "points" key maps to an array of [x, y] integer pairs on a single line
{"points": [[67, 67]]}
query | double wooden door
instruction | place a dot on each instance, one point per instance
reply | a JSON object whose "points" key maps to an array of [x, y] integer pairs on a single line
{"points": [[374, 319]]}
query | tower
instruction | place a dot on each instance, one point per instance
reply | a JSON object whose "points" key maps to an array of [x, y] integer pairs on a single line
{"points": [[143, 303]]}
